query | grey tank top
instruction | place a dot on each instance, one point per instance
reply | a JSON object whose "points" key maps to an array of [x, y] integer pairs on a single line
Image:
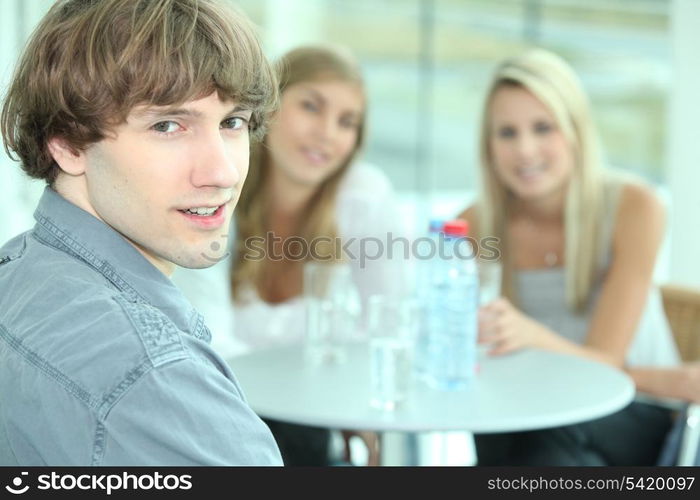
{"points": [[542, 296]]}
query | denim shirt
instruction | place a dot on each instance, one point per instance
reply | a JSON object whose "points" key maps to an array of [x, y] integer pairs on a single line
{"points": [[104, 362]]}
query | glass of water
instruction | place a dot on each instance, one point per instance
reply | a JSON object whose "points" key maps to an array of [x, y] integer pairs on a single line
{"points": [[490, 275], [391, 324], [332, 310]]}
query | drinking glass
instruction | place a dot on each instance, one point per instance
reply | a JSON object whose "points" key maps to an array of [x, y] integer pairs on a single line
{"points": [[391, 327], [490, 273], [332, 310]]}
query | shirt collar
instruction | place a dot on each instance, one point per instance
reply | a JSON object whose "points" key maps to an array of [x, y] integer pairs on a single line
{"points": [[71, 229]]}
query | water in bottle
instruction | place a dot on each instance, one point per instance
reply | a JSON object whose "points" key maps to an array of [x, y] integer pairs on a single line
{"points": [[428, 260], [451, 313]]}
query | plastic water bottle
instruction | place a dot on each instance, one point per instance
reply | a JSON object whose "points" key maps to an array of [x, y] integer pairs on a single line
{"points": [[453, 303], [429, 260]]}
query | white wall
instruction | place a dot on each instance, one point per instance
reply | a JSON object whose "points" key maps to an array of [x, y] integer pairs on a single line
{"points": [[684, 144], [289, 24]]}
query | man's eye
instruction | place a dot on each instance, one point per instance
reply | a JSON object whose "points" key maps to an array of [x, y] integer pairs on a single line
{"points": [[165, 127], [234, 123]]}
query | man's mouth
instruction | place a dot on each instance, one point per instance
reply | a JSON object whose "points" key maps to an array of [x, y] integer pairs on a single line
{"points": [[202, 211]]}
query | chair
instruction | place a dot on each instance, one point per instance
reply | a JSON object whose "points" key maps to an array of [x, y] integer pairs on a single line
{"points": [[682, 307]]}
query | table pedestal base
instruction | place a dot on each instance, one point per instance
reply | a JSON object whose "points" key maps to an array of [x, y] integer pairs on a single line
{"points": [[427, 448]]}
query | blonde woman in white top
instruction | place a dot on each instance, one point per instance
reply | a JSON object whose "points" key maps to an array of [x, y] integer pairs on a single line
{"points": [[578, 245]]}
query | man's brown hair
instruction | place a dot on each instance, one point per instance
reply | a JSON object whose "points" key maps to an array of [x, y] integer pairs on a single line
{"points": [[89, 62]]}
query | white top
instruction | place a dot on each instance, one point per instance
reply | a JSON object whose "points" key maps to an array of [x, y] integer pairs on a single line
{"points": [[530, 389], [365, 208]]}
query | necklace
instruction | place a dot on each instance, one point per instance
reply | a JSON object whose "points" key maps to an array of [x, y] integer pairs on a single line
{"points": [[551, 257]]}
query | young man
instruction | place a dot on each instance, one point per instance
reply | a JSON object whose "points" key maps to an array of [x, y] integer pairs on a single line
{"points": [[137, 114]]}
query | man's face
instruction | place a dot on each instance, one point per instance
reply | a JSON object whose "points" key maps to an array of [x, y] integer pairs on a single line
{"points": [[169, 178]]}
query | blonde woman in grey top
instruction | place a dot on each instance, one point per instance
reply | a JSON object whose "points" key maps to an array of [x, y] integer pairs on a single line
{"points": [[578, 245]]}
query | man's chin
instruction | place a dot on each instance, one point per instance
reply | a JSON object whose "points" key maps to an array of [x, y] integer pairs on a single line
{"points": [[202, 260]]}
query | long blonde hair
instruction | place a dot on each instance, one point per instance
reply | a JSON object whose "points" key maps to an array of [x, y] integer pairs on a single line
{"points": [[303, 64], [552, 81]]}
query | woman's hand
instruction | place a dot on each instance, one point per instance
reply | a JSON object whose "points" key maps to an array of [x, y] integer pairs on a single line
{"points": [[508, 330]]}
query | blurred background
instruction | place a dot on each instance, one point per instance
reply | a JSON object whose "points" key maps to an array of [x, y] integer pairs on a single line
{"points": [[427, 63]]}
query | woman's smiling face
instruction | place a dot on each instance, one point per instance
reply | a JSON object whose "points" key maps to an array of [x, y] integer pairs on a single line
{"points": [[316, 129], [529, 151]]}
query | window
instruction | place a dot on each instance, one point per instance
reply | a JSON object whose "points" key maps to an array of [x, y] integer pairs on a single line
{"points": [[427, 63]]}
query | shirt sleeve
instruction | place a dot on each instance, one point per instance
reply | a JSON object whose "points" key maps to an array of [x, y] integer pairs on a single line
{"points": [[186, 413]]}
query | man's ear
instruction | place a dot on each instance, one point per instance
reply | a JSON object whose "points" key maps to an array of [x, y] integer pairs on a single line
{"points": [[69, 160]]}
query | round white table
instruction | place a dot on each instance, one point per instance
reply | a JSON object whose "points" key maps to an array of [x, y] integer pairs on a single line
{"points": [[530, 389]]}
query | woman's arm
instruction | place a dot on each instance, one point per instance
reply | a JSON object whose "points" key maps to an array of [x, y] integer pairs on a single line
{"points": [[681, 382], [639, 229], [374, 233]]}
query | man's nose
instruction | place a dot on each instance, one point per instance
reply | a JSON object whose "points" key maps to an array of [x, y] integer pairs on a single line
{"points": [[216, 165]]}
